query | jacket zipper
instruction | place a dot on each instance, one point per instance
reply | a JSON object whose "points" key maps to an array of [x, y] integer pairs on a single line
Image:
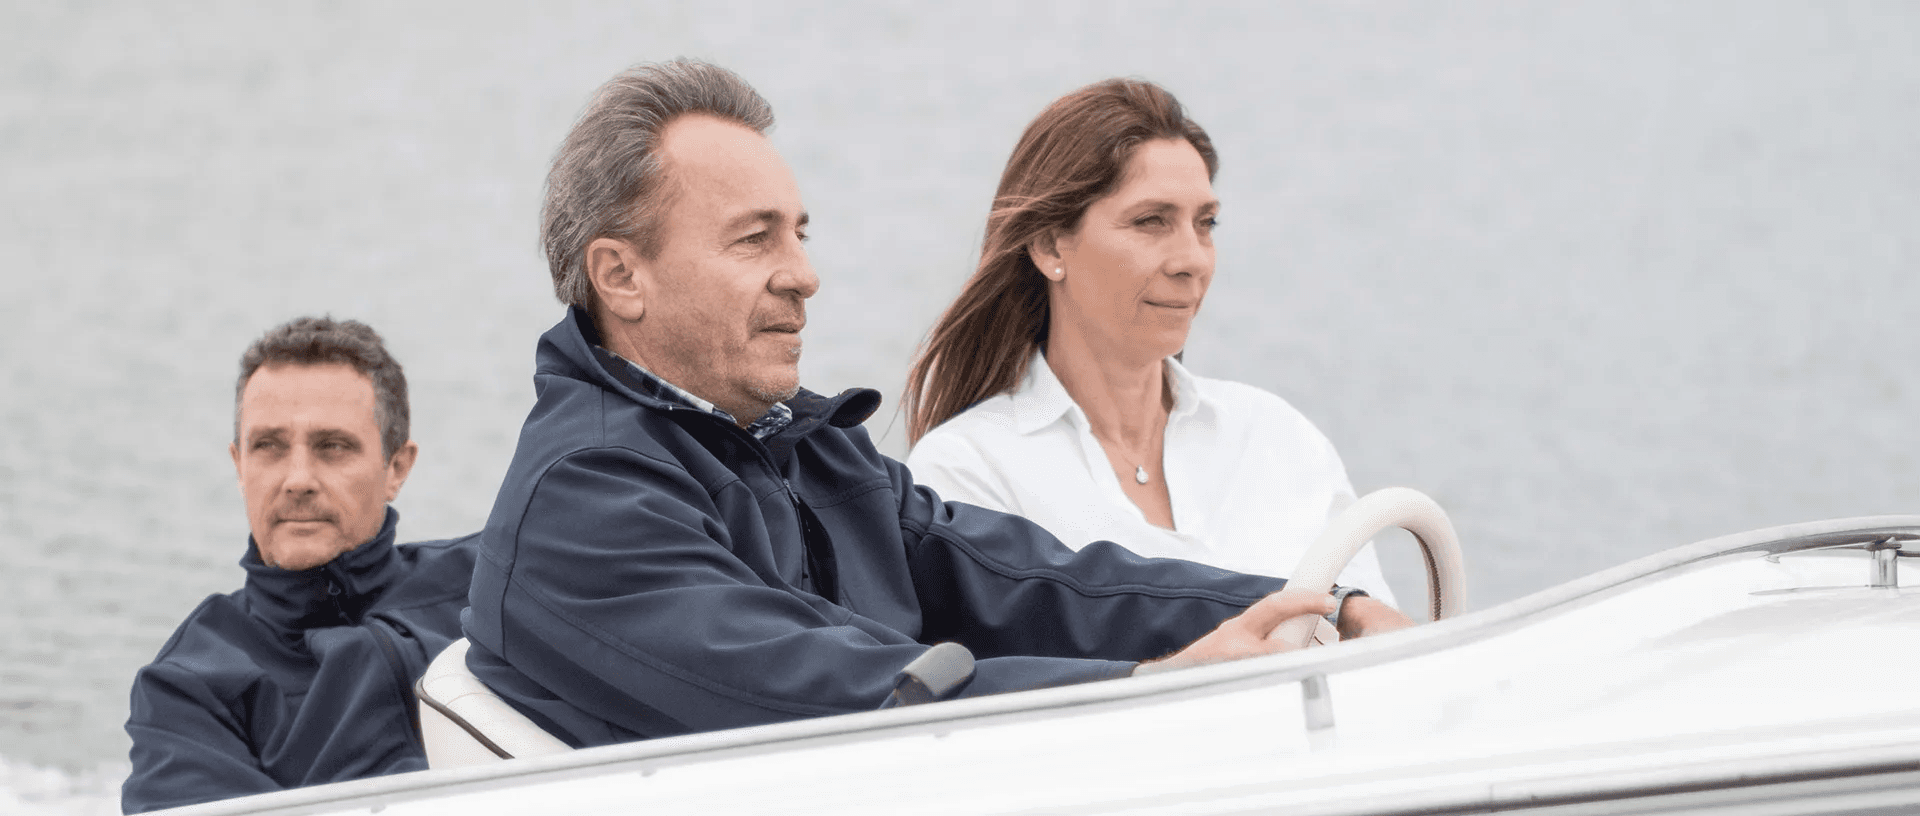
{"points": [[818, 569], [333, 594], [397, 672]]}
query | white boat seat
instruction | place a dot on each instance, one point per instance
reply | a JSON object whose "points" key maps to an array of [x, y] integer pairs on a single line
{"points": [[464, 723]]}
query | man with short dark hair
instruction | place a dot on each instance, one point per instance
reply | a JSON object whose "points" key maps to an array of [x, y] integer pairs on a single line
{"points": [[305, 674], [687, 540]]}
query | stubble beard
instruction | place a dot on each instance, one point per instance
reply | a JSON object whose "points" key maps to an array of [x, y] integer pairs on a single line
{"points": [[786, 389], [771, 393]]}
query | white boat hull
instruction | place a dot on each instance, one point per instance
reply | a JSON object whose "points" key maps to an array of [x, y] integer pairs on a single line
{"points": [[1710, 676]]}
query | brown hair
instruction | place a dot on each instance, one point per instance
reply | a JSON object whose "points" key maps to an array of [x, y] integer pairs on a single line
{"points": [[312, 341], [1073, 154]]}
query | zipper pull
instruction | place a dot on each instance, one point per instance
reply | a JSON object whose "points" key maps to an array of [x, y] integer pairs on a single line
{"points": [[333, 594]]}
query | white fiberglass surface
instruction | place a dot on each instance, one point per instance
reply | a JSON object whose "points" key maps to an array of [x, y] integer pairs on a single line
{"points": [[1723, 660], [1129, 753], [1736, 661], [1737, 642]]}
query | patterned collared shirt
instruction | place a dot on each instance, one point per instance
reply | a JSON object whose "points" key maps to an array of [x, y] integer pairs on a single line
{"points": [[775, 420]]}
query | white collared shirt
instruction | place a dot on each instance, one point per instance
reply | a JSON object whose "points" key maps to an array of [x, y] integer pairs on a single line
{"points": [[1252, 482]]}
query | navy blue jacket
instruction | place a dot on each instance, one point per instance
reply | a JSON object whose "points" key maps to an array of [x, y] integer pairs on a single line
{"points": [[651, 569], [298, 678]]}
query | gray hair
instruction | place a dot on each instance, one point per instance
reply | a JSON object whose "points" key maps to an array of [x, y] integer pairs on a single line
{"points": [[608, 179], [315, 341]]}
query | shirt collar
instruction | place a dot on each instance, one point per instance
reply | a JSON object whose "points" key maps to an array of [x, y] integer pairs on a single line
{"points": [[775, 420], [1186, 392], [1041, 398]]}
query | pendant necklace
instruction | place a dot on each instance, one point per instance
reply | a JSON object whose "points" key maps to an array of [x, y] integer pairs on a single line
{"points": [[1140, 474]]}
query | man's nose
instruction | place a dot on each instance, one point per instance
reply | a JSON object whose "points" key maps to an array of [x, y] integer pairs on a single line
{"points": [[300, 474], [795, 275]]}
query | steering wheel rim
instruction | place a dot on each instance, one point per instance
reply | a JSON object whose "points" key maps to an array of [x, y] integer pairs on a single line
{"points": [[1352, 528]]}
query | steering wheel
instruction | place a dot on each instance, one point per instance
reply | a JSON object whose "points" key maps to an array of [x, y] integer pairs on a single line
{"points": [[1402, 507]]}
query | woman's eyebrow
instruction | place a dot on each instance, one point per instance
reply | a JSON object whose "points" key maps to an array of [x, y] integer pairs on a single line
{"points": [[1157, 204]]}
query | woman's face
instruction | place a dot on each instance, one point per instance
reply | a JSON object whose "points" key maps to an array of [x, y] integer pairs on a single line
{"points": [[1133, 272]]}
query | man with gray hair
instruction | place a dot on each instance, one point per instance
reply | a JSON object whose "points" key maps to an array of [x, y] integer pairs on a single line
{"points": [[687, 540], [305, 674]]}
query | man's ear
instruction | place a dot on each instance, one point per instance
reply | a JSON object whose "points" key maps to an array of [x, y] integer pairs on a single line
{"points": [[233, 449], [619, 278], [1044, 251], [399, 466]]}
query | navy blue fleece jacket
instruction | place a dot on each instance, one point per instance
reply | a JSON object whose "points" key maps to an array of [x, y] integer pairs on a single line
{"points": [[299, 678], [651, 569]]}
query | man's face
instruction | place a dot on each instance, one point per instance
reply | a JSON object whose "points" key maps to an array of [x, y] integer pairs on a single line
{"points": [[725, 297], [310, 465]]}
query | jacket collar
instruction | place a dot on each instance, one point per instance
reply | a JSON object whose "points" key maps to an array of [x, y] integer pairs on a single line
{"points": [[336, 593], [1040, 399], [572, 349]]}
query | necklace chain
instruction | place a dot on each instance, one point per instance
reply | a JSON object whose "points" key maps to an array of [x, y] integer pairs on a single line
{"points": [[1140, 475]]}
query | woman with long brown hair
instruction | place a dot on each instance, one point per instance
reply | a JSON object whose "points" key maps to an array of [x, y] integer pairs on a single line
{"points": [[1052, 386]]}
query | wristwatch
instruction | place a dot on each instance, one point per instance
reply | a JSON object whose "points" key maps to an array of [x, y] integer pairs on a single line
{"points": [[1340, 595]]}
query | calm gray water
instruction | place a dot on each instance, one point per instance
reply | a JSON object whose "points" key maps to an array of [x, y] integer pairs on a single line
{"points": [[1603, 278]]}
